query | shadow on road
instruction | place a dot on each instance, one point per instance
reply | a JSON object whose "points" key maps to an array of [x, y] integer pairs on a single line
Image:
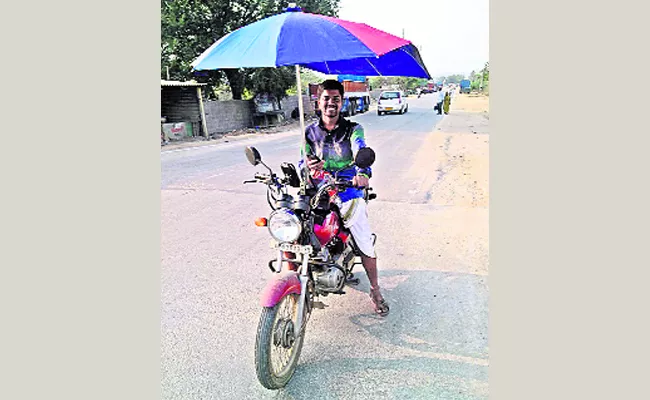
{"points": [[437, 333]]}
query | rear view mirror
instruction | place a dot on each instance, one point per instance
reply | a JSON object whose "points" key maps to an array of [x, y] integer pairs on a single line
{"points": [[365, 157], [253, 155]]}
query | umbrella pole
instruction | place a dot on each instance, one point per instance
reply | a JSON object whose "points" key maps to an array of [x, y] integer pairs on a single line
{"points": [[302, 123]]}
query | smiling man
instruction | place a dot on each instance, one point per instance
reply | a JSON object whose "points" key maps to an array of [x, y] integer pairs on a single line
{"points": [[331, 145]]}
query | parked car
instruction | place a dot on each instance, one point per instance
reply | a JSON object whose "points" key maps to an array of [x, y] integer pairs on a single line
{"points": [[391, 101]]}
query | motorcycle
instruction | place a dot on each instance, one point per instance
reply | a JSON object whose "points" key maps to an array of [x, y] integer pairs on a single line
{"points": [[319, 254]]}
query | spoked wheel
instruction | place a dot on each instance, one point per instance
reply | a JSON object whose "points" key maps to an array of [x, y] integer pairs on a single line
{"points": [[278, 343]]}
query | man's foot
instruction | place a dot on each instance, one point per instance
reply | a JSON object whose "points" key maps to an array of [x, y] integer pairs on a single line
{"points": [[381, 307]]}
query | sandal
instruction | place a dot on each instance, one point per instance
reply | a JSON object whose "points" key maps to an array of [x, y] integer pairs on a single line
{"points": [[381, 307]]}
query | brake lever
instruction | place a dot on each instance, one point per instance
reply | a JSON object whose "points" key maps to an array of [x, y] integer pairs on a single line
{"points": [[249, 181]]}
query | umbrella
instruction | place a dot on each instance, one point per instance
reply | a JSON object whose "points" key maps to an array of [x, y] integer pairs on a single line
{"points": [[325, 44]]}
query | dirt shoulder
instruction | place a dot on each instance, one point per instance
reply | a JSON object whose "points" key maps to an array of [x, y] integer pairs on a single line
{"points": [[235, 135], [456, 160], [461, 147]]}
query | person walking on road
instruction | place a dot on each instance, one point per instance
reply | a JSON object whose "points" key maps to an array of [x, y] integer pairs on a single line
{"points": [[447, 103], [441, 98], [331, 145]]}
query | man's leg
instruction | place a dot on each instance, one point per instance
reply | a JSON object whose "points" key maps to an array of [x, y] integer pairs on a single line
{"points": [[360, 228], [370, 265]]}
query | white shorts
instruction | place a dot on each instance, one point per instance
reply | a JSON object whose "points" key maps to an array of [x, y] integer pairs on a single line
{"points": [[357, 223]]}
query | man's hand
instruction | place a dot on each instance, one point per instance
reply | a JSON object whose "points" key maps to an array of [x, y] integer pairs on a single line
{"points": [[315, 164], [360, 180]]}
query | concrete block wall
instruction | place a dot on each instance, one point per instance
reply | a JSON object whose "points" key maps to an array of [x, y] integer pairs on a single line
{"points": [[291, 102], [229, 115], [226, 116]]}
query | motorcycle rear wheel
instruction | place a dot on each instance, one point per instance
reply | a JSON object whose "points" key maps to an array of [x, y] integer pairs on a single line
{"points": [[278, 343]]}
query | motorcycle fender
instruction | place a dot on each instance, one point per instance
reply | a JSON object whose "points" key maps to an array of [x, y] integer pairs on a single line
{"points": [[282, 284]]}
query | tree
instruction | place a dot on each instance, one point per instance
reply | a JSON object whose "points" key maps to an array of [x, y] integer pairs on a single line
{"points": [[308, 76], [274, 81], [485, 72], [189, 27], [414, 83], [377, 82], [402, 82], [181, 20], [455, 78]]}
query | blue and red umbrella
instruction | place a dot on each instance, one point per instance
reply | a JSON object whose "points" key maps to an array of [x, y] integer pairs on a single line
{"points": [[325, 44]]}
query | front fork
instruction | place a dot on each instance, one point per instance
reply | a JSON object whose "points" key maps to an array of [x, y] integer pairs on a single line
{"points": [[304, 279], [304, 294]]}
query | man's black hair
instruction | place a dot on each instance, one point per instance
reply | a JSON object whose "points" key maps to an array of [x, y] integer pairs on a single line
{"points": [[330, 84]]}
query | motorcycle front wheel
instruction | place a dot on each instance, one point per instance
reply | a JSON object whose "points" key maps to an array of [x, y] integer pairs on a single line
{"points": [[278, 343]]}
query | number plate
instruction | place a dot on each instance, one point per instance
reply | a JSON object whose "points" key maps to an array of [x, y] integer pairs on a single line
{"points": [[292, 248], [389, 108]]}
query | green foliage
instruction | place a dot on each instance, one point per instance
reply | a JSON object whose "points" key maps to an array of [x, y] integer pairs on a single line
{"points": [[308, 76], [403, 83], [481, 80], [182, 22], [486, 72], [377, 82], [189, 27], [275, 81], [455, 78]]}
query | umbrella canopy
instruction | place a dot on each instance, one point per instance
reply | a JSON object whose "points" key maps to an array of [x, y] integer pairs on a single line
{"points": [[403, 61], [325, 44]]}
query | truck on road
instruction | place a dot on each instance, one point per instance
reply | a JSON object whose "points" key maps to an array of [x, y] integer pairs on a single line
{"points": [[356, 97], [465, 86], [357, 94]]}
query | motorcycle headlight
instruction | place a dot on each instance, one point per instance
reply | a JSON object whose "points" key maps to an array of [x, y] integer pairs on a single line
{"points": [[284, 225]]}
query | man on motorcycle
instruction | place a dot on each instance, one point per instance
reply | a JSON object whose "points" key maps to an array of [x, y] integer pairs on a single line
{"points": [[331, 145]]}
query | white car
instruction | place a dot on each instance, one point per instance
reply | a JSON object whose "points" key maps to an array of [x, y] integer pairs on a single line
{"points": [[392, 101]]}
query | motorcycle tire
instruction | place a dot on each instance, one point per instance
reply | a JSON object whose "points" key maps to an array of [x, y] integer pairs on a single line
{"points": [[271, 335]]}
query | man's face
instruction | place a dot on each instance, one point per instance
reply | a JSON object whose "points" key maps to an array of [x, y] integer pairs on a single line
{"points": [[330, 103]]}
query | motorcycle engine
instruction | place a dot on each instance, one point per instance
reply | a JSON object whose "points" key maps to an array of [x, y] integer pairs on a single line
{"points": [[329, 279]]}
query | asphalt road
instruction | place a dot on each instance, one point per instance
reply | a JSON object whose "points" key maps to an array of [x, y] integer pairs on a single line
{"points": [[433, 269]]}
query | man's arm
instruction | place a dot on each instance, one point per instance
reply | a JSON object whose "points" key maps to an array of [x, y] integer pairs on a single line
{"points": [[313, 163], [359, 142]]}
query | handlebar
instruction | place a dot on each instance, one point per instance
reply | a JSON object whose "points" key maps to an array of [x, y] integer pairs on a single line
{"points": [[260, 178]]}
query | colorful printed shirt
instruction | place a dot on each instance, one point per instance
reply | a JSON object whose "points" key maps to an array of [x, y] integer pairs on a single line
{"points": [[337, 148]]}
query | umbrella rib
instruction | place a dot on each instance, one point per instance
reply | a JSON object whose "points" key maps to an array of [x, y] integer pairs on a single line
{"points": [[373, 67], [328, 68], [414, 59]]}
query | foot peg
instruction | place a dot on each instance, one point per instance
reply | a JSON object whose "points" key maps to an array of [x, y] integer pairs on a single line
{"points": [[351, 280], [319, 304]]}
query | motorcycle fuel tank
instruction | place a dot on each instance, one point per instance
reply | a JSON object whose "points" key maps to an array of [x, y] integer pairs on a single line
{"points": [[328, 229]]}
